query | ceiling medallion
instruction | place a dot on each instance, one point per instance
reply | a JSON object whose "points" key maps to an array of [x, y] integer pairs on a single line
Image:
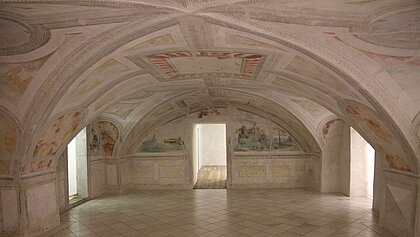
{"points": [[17, 37]]}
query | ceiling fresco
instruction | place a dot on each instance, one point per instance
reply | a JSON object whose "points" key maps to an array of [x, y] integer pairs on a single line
{"points": [[135, 61]]}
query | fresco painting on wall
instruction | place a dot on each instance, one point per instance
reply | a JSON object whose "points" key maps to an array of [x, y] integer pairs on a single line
{"points": [[57, 134], [15, 78], [170, 144], [396, 162], [8, 136], [93, 141], [252, 139], [207, 112], [386, 141], [326, 128], [40, 165], [283, 141], [357, 114], [110, 68], [109, 136]]}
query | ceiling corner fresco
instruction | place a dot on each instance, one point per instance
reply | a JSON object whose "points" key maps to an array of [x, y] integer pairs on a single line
{"points": [[309, 58], [57, 134]]}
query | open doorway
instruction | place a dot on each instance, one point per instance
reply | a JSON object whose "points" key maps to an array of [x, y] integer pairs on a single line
{"points": [[77, 168], [362, 166], [210, 142]]}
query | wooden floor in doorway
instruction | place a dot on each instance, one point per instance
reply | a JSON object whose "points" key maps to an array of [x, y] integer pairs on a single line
{"points": [[211, 177]]}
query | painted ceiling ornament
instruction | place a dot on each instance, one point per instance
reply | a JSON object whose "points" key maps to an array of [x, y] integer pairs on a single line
{"points": [[207, 112], [187, 65], [19, 37]]}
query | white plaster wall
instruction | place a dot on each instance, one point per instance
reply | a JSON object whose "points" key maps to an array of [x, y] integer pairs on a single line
{"points": [[9, 210], [398, 208], [82, 164], [336, 159], [62, 182], [345, 161], [97, 178], [271, 170], [212, 144], [358, 161], [378, 184], [42, 207], [152, 171]]}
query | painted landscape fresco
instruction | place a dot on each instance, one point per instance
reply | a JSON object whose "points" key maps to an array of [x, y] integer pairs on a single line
{"points": [[283, 141], [259, 134], [168, 138], [170, 144], [252, 139]]}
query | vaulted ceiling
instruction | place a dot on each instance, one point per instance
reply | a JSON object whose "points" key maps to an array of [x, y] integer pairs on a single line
{"points": [[65, 63]]}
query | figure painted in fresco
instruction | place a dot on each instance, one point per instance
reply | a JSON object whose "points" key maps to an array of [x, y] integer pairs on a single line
{"points": [[170, 144], [94, 143]]}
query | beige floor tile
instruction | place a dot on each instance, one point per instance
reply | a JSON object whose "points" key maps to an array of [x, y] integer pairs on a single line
{"points": [[219, 212]]}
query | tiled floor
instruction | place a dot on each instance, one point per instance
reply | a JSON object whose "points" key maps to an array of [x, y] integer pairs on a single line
{"points": [[221, 212], [211, 177]]}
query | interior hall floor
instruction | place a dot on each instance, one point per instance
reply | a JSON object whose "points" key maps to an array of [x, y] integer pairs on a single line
{"points": [[221, 212], [211, 177]]}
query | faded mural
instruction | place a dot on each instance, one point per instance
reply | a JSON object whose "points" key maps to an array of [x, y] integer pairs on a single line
{"points": [[260, 134], [40, 165], [8, 137], [252, 133], [109, 136], [58, 134], [169, 144], [94, 142], [326, 128], [367, 121], [15, 78], [283, 141], [252, 138], [168, 138]]}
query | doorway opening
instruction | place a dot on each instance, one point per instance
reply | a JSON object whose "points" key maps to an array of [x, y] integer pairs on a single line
{"points": [[77, 168], [210, 143], [362, 166]]}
